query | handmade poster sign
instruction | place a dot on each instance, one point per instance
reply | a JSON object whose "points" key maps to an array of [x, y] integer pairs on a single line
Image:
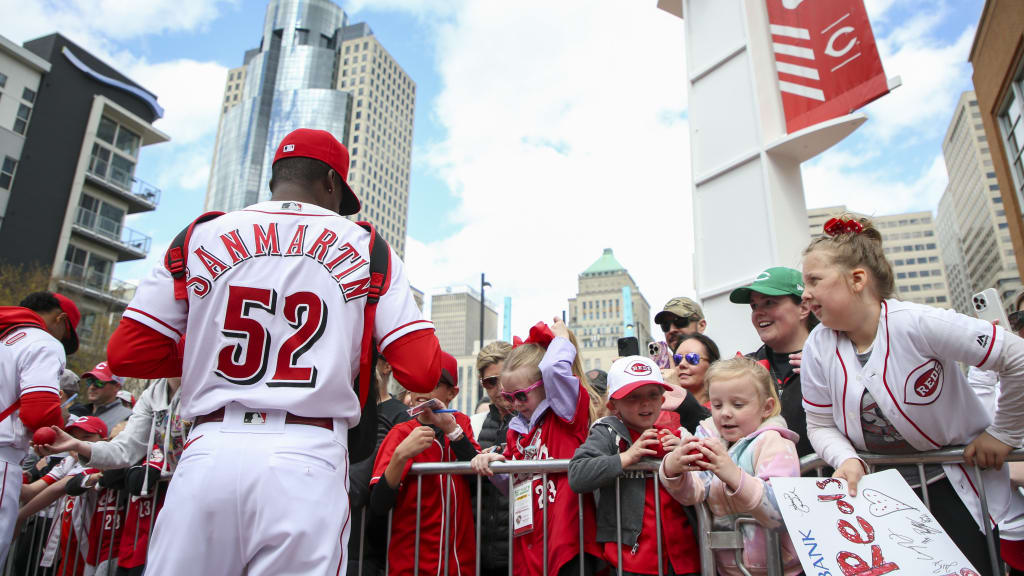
{"points": [[885, 529]]}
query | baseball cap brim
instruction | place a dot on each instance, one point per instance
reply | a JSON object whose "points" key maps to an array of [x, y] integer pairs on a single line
{"points": [[742, 295], [628, 388], [349, 201], [70, 341]]}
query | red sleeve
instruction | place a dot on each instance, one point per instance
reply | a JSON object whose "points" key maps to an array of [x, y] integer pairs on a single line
{"points": [[415, 360], [387, 450], [40, 409], [138, 351]]}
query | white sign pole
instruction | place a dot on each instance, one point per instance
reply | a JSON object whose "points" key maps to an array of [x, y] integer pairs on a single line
{"points": [[748, 199]]}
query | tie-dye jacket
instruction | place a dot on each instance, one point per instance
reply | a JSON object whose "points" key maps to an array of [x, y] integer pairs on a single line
{"points": [[769, 451]]}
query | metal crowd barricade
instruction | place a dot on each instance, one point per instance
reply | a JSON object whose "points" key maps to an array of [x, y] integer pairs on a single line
{"points": [[27, 551]]}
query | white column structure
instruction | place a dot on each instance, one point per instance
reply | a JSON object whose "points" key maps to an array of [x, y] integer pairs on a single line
{"points": [[748, 199]]}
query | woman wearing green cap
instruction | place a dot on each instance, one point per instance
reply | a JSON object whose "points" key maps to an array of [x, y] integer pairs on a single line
{"points": [[783, 324]]}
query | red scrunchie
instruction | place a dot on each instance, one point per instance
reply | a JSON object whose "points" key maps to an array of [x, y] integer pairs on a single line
{"points": [[836, 226]]}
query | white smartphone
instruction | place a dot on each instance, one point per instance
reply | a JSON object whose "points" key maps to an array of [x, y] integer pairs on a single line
{"points": [[987, 306]]}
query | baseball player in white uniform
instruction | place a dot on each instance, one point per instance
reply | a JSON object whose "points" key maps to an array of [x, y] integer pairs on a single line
{"points": [[273, 322], [34, 338]]}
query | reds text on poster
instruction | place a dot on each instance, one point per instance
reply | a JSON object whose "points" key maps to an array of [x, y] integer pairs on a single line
{"points": [[885, 529], [826, 59]]}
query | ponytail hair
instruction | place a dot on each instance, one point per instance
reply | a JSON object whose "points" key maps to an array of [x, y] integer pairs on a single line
{"points": [[858, 245]]}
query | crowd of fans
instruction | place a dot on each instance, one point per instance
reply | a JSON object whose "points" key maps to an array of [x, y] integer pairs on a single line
{"points": [[721, 423]]}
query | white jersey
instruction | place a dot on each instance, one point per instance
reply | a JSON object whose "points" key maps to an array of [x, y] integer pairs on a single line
{"points": [[913, 377], [274, 317], [31, 360]]}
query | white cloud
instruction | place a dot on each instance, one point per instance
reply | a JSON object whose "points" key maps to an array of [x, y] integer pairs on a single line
{"points": [[840, 179], [564, 136]]}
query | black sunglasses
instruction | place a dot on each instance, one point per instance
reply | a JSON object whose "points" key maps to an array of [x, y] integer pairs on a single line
{"points": [[489, 382], [1016, 320], [677, 322]]}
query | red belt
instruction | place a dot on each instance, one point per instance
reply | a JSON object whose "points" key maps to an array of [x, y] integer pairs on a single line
{"points": [[218, 416]]}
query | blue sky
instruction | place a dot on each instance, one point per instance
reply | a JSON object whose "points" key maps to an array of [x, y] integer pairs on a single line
{"points": [[544, 131]]}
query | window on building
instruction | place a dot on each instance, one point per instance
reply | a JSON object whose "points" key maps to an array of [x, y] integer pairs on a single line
{"points": [[3, 80], [21, 120], [28, 95], [7, 172], [301, 36], [114, 152]]}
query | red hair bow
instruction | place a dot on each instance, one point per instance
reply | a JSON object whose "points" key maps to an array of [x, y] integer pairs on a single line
{"points": [[540, 334], [837, 226]]}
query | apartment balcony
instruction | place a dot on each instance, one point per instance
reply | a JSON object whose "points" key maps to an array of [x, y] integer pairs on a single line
{"points": [[128, 243], [140, 195], [97, 285]]}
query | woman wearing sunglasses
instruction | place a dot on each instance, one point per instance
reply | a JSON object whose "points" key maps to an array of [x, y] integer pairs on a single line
{"points": [[694, 355]]}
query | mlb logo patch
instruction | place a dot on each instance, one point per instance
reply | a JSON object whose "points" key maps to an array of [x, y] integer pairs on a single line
{"points": [[254, 418], [288, 148]]}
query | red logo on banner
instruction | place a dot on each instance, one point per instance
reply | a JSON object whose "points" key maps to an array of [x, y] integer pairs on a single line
{"points": [[826, 59]]}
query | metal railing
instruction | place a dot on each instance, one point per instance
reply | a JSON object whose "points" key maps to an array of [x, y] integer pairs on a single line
{"points": [[145, 191], [113, 230], [32, 541], [96, 280]]}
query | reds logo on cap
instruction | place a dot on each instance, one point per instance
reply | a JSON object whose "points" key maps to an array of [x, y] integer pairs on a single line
{"points": [[638, 369]]}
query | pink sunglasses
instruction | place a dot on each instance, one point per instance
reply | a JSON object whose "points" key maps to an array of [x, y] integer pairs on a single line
{"points": [[520, 394]]}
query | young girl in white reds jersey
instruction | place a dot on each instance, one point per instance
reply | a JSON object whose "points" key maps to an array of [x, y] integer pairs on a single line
{"points": [[730, 460], [553, 409], [880, 375]]}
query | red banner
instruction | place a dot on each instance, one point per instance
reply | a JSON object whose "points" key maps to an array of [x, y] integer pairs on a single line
{"points": [[826, 59]]}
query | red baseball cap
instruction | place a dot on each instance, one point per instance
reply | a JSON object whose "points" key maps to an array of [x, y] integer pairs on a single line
{"points": [[90, 424], [102, 373], [449, 370], [74, 316], [323, 146]]}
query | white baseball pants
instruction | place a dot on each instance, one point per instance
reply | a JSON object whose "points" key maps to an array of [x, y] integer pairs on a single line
{"points": [[10, 491], [255, 498]]}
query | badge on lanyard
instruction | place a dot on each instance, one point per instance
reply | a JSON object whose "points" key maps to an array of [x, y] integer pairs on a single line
{"points": [[522, 508]]}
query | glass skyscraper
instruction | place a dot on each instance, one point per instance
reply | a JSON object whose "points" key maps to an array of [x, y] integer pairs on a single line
{"points": [[312, 70]]}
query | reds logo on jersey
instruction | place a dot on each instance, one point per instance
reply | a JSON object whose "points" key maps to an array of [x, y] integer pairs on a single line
{"points": [[924, 384]]}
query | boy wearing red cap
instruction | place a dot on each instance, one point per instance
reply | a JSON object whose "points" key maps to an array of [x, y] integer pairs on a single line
{"points": [[432, 437], [635, 395], [35, 338]]}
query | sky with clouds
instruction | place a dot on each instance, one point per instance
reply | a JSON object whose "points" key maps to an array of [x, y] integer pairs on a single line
{"points": [[545, 131]]}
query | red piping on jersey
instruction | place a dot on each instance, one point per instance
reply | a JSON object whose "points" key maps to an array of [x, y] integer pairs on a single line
{"points": [[189, 443], [817, 405], [885, 381], [971, 482], [991, 345], [155, 319], [388, 335], [288, 213], [846, 380]]}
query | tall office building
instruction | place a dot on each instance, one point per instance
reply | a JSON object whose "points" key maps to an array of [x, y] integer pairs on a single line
{"points": [[599, 314], [313, 70], [977, 203], [952, 251], [71, 128], [455, 312], [911, 245]]}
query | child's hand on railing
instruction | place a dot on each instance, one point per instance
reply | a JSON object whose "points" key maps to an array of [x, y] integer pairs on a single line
{"points": [[481, 463], [987, 451]]}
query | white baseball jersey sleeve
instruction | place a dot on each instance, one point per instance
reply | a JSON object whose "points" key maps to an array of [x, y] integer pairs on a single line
{"points": [[274, 318], [31, 360]]}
